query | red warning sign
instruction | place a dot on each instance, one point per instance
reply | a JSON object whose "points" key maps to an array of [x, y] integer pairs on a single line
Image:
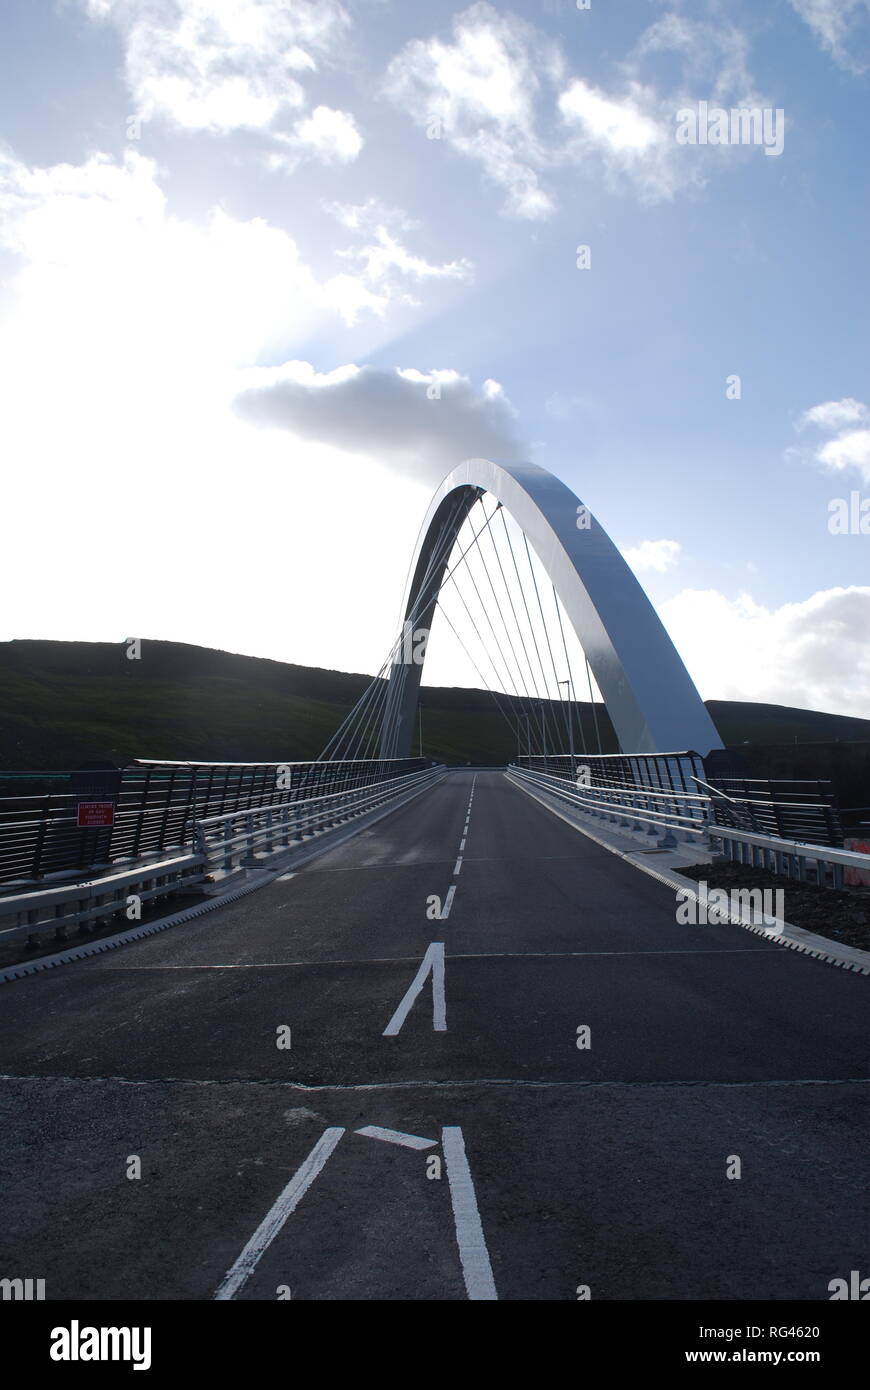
{"points": [[91, 813]]}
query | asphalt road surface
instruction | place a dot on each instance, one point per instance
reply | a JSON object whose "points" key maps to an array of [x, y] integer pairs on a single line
{"points": [[500, 1158]]}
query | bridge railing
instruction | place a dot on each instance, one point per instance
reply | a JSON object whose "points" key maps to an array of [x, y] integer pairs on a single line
{"points": [[157, 806], [793, 810], [84, 905], [668, 812], [727, 824], [224, 841], [219, 845], [658, 772], [821, 864]]}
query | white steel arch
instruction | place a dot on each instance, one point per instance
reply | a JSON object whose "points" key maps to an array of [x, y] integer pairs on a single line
{"points": [[652, 702]]}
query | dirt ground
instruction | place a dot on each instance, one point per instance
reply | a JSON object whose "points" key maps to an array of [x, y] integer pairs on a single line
{"points": [[843, 917]]}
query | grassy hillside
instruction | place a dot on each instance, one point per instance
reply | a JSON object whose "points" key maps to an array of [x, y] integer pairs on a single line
{"points": [[64, 702]]}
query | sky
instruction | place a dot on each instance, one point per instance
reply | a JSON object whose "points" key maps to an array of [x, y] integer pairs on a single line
{"points": [[270, 268]]}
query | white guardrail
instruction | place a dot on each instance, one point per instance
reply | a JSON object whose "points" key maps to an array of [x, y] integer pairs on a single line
{"points": [[221, 843], [677, 814], [673, 812], [238, 834]]}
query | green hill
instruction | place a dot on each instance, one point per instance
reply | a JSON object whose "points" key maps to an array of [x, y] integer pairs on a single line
{"points": [[64, 702]]}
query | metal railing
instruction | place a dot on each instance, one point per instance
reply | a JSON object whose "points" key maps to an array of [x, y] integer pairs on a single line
{"points": [[790, 858], [790, 810], [157, 805], [219, 845], [670, 813], [658, 772], [95, 900], [693, 817], [234, 838]]}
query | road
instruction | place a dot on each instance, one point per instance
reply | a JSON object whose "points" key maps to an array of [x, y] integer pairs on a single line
{"points": [[601, 1167]]}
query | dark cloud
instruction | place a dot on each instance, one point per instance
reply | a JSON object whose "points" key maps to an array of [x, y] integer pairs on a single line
{"points": [[419, 423]]}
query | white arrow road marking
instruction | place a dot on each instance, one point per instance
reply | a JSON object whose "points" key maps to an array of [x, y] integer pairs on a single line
{"points": [[395, 1136], [434, 961], [476, 1268], [269, 1227]]}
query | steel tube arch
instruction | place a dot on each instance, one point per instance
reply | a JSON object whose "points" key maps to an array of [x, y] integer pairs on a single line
{"points": [[653, 705]]}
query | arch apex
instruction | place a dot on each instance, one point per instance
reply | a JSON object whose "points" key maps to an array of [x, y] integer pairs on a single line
{"points": [[651, 700]]}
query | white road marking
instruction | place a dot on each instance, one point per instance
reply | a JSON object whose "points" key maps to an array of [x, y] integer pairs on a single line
{"points": [[434, 961], [395, 1136], [457, 866], [462, 844], [473, 1254], [448, 901], [287, 1203], [285, 878]]}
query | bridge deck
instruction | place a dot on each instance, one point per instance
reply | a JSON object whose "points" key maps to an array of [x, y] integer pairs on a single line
{"points": [[604, 1166]]}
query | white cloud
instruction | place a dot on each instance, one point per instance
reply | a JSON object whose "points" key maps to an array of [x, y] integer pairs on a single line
{"points": [[368, 216], [225, 65], [421, 423], [631, 135], [849, 450], [387, 254], [328, 135], [499, 92], [632, 130], [812, 654], [121, 342], [615, 124], [847, 447], [220, 64], [478, 92], [653, 555], [834, 415], [710, 51], [99, 240], [382, 259], [841, 27]]}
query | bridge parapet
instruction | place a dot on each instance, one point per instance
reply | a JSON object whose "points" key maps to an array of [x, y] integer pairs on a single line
{"points": [[158, 804], [219, 845], [733, 828]]}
